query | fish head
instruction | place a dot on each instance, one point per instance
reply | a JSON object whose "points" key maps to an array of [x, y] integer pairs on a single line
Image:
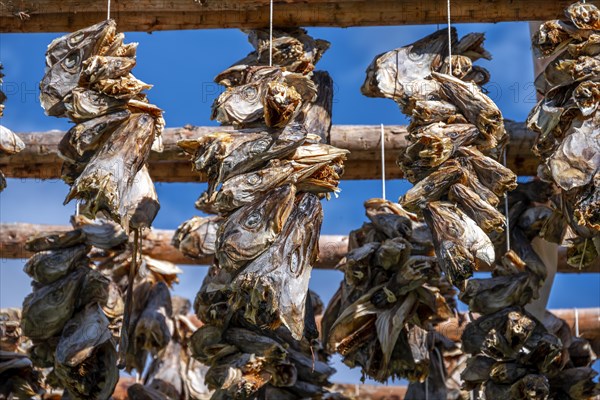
{"points": [[251, 229], [87, 40], [47, 309]]}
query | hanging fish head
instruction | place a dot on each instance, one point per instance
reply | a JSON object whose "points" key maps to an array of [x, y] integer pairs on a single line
{"points": [[252, 229], [47, 309], [89, 40], [64, 61], [402, 74]]}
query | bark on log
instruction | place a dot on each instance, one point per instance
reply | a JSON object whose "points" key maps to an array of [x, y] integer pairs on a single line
{"points": [[153, 15], [157, 244], [40, 159]]}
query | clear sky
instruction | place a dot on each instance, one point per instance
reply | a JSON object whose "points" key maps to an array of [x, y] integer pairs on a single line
{"points": [[182, 65]]}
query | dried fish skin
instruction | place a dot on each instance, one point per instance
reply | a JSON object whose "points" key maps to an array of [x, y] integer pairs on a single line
{"points": [[280, 104], [139, 205], [427, 112], [402, 74], [487, 296], [477, 108], [64, 61], [460, 244], [48, 266], [577, 159], [9, 142], [433, 187], [587, 209], [123, 88], [106, 178], [498, 178], [197, 237], [90, 39], [576, 383], [552, 37], [460, 66], [82, 104], [584, 16], [137, 391], [82, 140], [223, 155], [477, 371], [94, 378], [98, 68], [590, 47], [87, 330], [286, 264], [47, 309], [471, 46], [154, 327], [587, 97], [54, 240], [100, 233], [249, 231], [486, 216], [243, 189], [293, 49]]}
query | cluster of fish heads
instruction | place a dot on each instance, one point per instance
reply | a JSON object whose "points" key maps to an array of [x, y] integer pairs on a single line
{"points": [[392, 295], [265, 182], [512, 353], [88, 80], [456, 134], [566, 122]]}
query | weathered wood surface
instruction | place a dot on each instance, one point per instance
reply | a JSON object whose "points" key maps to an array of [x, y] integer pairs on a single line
{"points": [[40, 159], [157, 244], [352, 391], [156, 15]]}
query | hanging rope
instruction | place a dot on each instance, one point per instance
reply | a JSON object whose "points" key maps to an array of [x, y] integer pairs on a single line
{"points": [[382, 162], [449, 41], [271, 33], [124, 339], [108, 10], [577, 322]]}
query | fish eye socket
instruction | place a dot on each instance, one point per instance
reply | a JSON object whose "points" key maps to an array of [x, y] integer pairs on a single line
{"points": [[76, 39], [253, 219], [71, 61], [253, 179], [453, 135], [250, 93], [56, 297], [260, 146]]}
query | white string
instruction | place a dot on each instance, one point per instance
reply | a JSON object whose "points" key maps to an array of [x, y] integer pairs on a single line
{"points": [[77, 208], [382, 162], [577, 322], [108, 10], [449, 41], [271, 33], [506, 210]]}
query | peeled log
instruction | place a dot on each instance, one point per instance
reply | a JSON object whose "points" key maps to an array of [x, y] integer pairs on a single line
{"points": [[40, 158], [157, 244]]}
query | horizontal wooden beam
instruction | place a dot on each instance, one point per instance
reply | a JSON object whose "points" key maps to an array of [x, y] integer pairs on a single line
{"points": [[157, 15], [157, 244], [40, 159]]}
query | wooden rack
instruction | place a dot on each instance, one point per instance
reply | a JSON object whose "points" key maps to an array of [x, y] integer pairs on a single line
{"points": [[41, 160]]}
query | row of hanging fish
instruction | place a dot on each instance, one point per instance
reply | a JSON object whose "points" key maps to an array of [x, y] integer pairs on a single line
{"points": [[393, 294], [9, 142], [74, 317], [456, 134], [265, 182], [88, 80], [514, 354], [567, 122], [173, 373]]}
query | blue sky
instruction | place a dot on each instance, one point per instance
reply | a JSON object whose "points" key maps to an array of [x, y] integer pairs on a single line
{"points": [[182, 65]]}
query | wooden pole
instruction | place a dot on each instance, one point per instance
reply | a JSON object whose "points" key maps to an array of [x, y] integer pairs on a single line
{"points": [[156, 15], [157, 244], [40, 159]]}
